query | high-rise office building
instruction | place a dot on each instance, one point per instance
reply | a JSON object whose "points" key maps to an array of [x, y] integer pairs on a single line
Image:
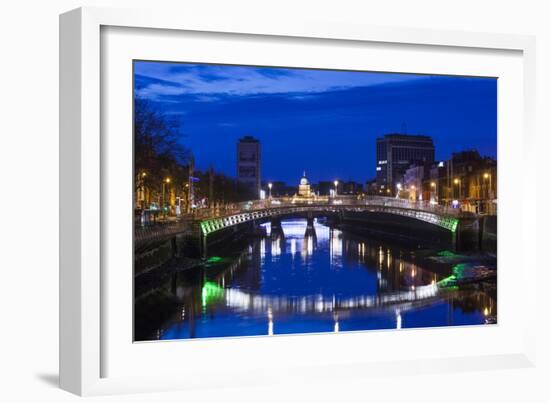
{"points": [[248, 164], [397, 152]]}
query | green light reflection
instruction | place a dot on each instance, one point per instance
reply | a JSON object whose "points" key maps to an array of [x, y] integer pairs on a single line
{"points": [[210, 292]]}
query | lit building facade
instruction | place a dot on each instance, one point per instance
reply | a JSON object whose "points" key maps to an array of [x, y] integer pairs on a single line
{"points": [[304, 188], [413, 181], [249, 164], [468, 178], [395, 153]]}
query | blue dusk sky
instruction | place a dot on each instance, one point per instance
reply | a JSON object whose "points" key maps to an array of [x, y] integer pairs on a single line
{"points": [[322, 121]]}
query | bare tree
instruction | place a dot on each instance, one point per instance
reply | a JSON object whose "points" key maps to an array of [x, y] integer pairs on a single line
{"points": [[158, 150]]}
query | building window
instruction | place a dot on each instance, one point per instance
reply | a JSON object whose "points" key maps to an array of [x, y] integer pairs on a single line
{"points": [[247, 156], [247, 172]]}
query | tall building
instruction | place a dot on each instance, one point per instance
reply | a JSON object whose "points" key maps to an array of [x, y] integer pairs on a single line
{"points": [[395, 153], [248, 164]]}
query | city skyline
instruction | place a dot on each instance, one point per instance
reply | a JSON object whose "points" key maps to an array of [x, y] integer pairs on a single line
{"points": [[310, 118]]}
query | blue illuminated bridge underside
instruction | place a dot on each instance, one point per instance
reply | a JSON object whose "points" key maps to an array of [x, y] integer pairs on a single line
{"points": [[264, 210]]}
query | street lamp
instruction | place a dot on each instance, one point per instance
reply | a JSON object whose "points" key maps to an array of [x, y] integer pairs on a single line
{"points": [[142, 189], [335, 188], [486, 176], [457, 182], [270, 185], [164, 182], [488, 189], [434, 187]]}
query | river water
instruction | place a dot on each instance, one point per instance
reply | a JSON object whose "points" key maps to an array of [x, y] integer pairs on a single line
{"points": [[321, 280]]}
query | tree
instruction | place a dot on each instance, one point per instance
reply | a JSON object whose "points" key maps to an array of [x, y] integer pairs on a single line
{"points": [[226, 189], [158, 151]]}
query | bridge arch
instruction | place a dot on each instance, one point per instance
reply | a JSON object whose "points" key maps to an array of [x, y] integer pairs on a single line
{"points": [[212, 225]]}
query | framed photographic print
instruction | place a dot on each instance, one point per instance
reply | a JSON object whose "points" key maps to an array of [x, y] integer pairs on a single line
{"points": [[288, 197], [314, 223]]}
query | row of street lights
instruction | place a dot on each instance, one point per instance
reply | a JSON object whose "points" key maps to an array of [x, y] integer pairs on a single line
{"points": [[165, 183], [456, 181]]}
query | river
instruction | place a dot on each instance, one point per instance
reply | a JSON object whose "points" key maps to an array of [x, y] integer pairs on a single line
{"points": [[309, 281]]}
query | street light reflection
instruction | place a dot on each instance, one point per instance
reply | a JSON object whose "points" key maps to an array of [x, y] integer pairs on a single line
{"points": [[398, 318]]}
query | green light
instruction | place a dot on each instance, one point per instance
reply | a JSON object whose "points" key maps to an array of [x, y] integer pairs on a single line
{"points": [[214, 259], [448, 282], [207, 227], [451, 282], [210, 291], [446, 253], [454, 224], [459, 269]]}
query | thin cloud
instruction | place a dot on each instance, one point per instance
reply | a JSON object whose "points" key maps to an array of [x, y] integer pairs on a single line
{"points": [[169, 79]]}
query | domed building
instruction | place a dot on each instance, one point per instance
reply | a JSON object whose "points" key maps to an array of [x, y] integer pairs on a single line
{"points": [[304, 188]]}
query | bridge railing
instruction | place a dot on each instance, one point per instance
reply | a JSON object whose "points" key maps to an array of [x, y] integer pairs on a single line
{"points": [[189, 224], [162, 230], [415, 205], [254, 205]]}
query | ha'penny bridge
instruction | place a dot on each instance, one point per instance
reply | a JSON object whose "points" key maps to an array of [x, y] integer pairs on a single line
{"points": [[383, 215], [262, 210]]}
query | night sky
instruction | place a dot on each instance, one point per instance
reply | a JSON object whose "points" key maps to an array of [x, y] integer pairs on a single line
{"points": [[322, 121]]}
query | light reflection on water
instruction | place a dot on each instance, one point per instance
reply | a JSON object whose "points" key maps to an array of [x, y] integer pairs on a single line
{"points": [[325, 280]]}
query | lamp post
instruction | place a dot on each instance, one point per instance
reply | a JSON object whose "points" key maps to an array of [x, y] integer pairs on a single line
{"points": [[457, 182], [270, 185], [488, 192], [335, 188], [487, 176], [164, 183], [433, 185], [142, 188], [186, 193]]}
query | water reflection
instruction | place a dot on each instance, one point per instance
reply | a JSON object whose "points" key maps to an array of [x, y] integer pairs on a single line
{"points": [[336, 247], [338, 282]]}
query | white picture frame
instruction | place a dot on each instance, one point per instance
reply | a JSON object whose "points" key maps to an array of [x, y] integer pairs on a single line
{"points": [[85, 344]]}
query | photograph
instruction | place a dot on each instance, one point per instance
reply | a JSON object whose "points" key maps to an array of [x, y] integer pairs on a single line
{"points": [[277, 200]]}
